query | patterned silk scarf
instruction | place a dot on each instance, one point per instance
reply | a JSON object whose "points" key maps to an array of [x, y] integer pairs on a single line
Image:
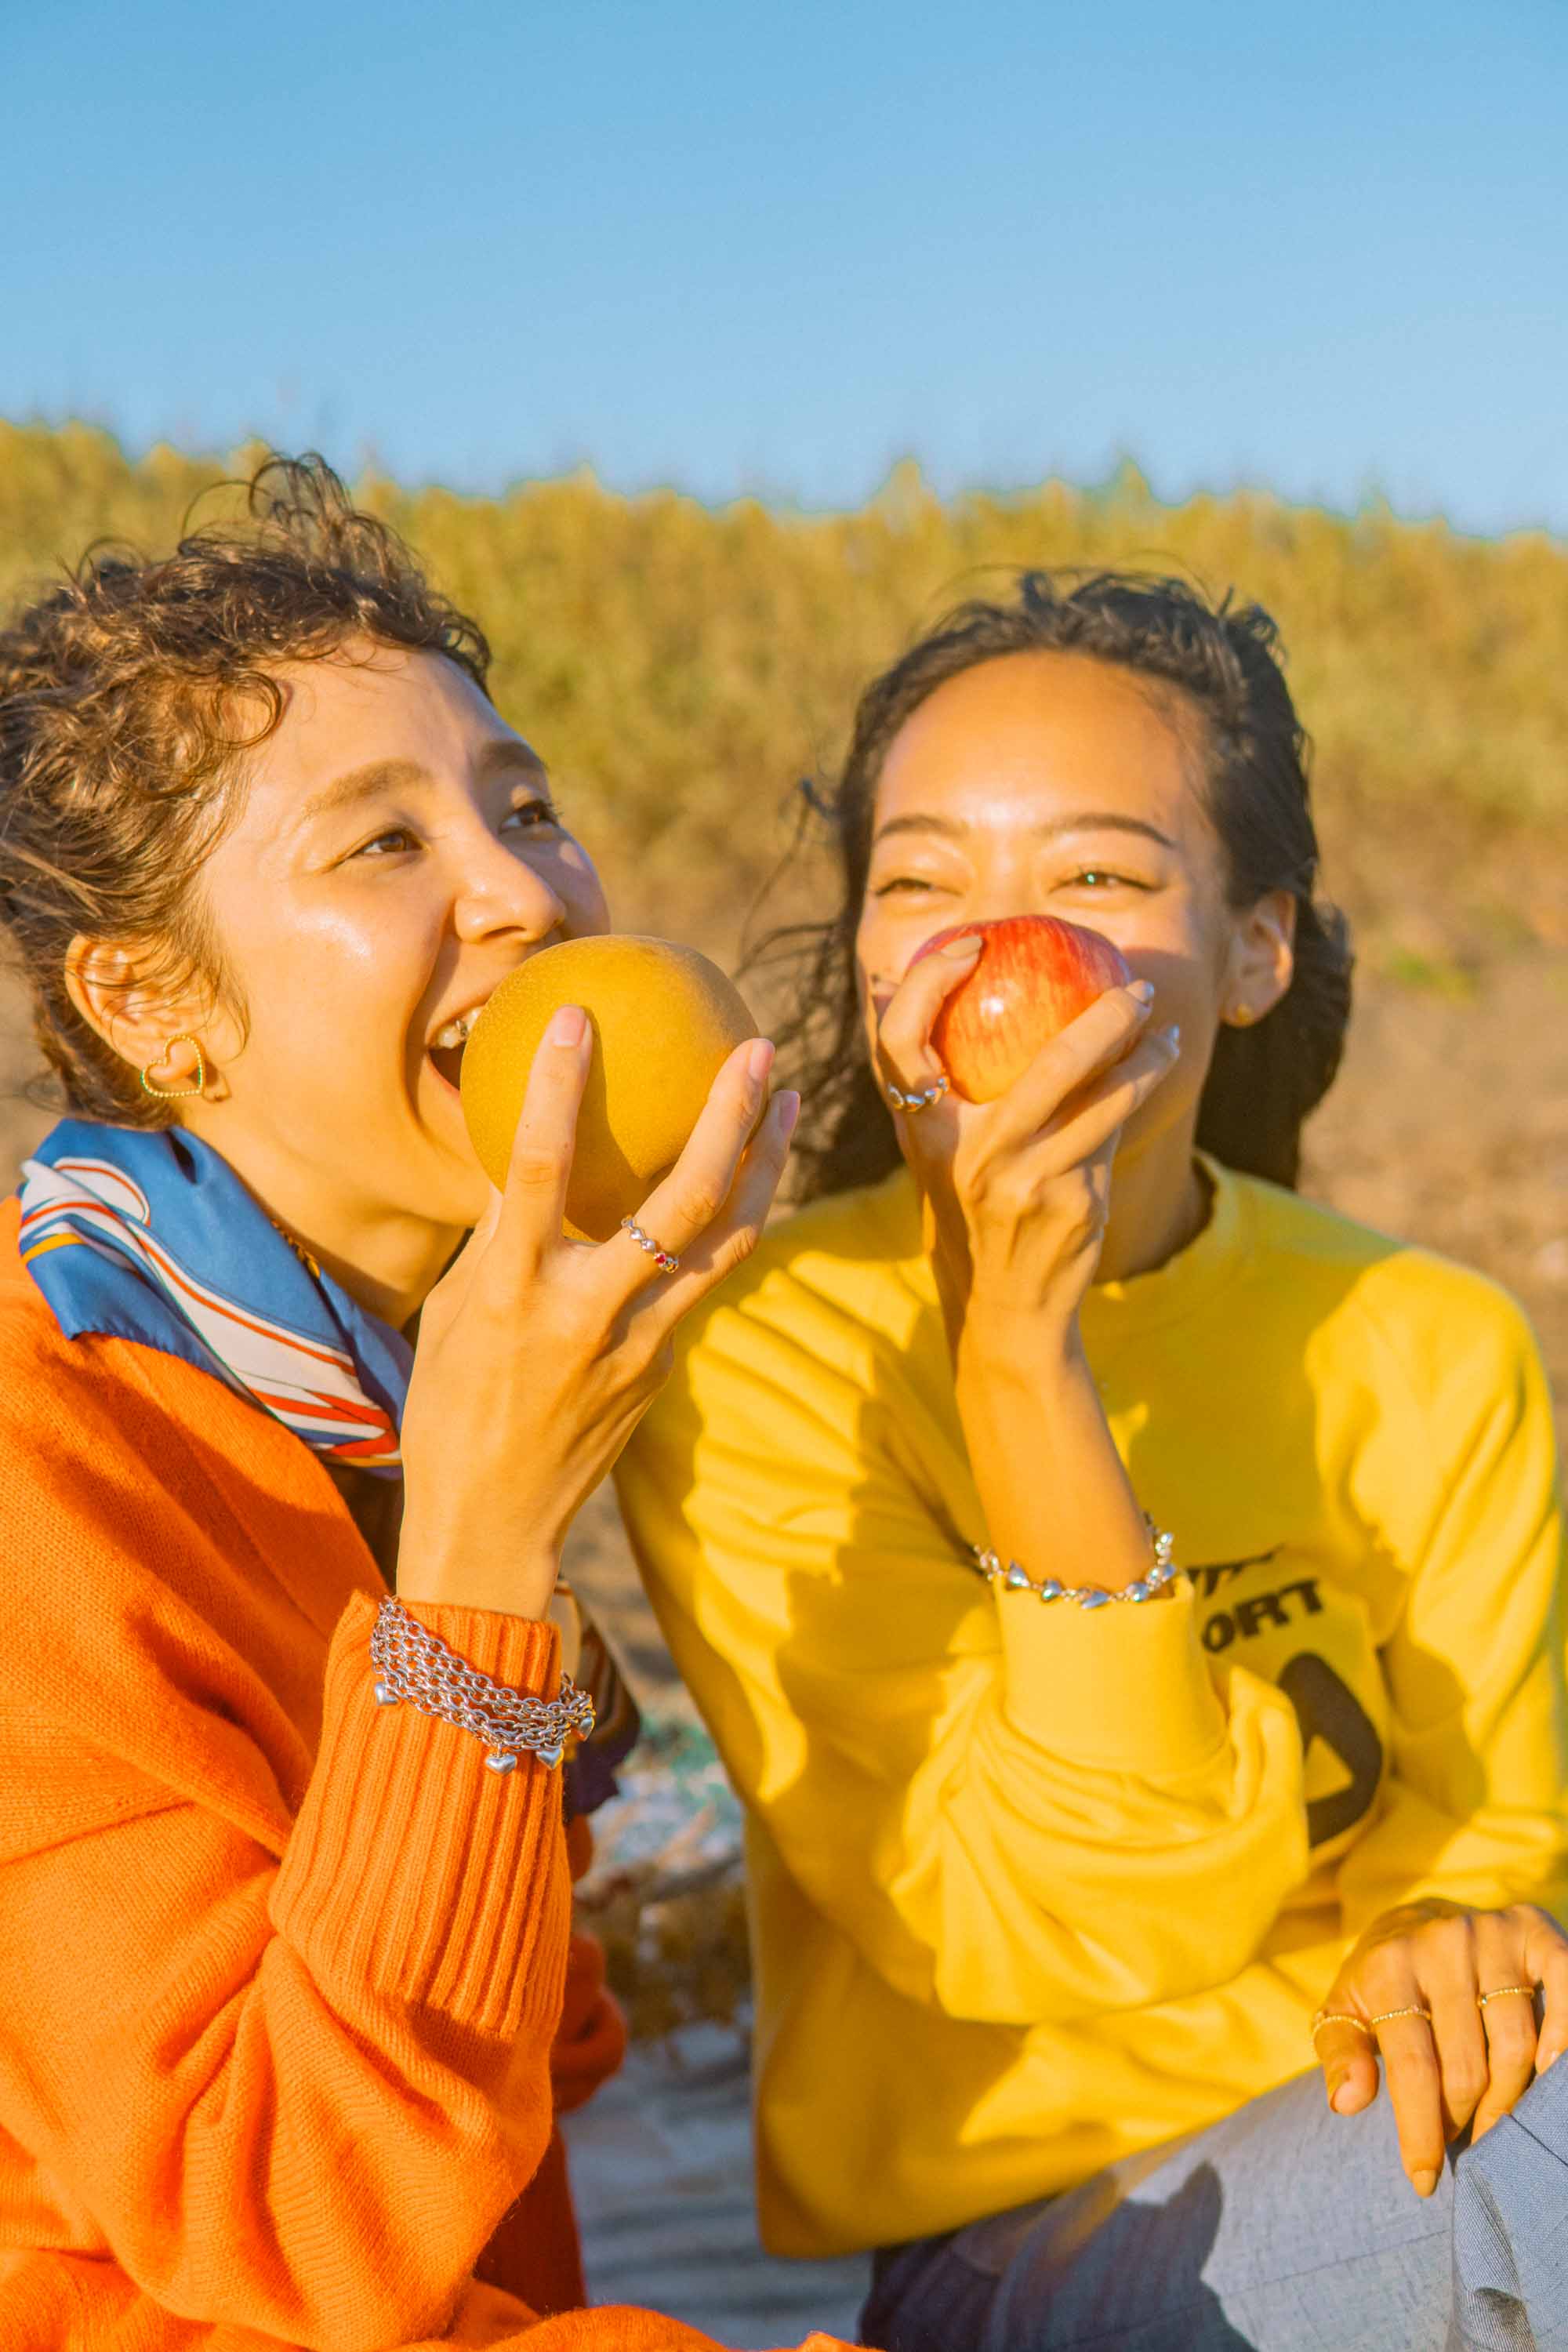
{"points": [[152, 1237]]}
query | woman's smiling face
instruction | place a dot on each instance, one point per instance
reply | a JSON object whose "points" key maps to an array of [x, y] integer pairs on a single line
{"points": [[1056, 783], [395, 855]]}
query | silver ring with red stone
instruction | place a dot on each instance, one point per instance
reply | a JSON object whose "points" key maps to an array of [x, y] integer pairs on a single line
{"points": [[910, 1103], [664, 1259]]}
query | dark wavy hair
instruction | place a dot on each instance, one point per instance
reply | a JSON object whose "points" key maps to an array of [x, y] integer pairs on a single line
{"points": [[1223, 659], [129, 696]]}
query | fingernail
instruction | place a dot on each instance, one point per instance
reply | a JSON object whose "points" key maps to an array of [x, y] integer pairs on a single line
{"points": [[967, 946], [567, 1024], [1143, 990], [1336, 2084], [1173, 1036], [788, 1112], [1342, 2099], [759, 1059], [1424, 2183]]}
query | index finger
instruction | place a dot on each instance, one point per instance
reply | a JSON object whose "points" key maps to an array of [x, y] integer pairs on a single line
{"points": [[1415, 2091], [903, 1030], [528, 1214]]}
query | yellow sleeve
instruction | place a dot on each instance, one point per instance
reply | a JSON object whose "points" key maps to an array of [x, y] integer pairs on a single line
{"points": [[956, 1778], [1463, 1484]]}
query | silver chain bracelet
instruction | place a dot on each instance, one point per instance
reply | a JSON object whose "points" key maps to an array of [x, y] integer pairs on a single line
{"points": [[415, 1664], [1013, 1578]]}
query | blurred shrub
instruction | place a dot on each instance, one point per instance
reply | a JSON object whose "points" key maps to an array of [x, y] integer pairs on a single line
{"points": [[680, 665]]}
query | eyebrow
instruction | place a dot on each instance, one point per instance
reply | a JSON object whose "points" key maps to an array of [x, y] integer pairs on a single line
{"points": [[390, 775], [1089, 820]]}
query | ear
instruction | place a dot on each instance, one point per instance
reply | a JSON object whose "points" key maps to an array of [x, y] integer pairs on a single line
{"points": [[1262, 960], [118, 992]]}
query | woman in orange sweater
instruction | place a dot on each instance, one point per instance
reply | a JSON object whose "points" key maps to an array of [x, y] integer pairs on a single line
{"points": [[283, 1872]]}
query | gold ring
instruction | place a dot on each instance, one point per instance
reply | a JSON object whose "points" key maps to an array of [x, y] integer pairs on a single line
{"points": [[1415, 2009], [1501, 1992], [1338, 2017]]}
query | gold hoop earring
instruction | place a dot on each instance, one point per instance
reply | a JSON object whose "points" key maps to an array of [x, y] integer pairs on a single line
{"points": [[175, 1094]]}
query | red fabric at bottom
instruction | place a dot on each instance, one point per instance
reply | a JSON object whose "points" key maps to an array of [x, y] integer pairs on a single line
{"points": [[536, 2241]]}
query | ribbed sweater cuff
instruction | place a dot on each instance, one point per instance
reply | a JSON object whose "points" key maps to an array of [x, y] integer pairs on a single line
{"points": [[1124, 1689], [411, 1867]]}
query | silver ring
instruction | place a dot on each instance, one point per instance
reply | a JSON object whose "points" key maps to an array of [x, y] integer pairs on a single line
{"points": [[910, 1103], [664, 1259]]}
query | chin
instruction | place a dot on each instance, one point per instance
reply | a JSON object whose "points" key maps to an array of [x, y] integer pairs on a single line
{"points": [[1156, 1124], [470, 1199]]}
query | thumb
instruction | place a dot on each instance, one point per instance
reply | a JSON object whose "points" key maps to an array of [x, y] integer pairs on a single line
{"points": [[1349, 2060]]}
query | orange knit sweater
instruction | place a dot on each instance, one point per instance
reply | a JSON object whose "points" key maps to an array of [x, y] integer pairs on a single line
{"points": [[280, 1971]]}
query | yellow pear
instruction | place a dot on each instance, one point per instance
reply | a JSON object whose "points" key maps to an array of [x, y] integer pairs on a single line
{"points": [[664, 1020]]}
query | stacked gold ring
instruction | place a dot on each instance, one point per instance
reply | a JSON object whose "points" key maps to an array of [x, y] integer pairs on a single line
{"points": [[1365, 2024]]}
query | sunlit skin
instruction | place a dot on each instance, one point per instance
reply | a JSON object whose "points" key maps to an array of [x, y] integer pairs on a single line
{"points": [[392, 855], [1054, 784], [396, 854]]}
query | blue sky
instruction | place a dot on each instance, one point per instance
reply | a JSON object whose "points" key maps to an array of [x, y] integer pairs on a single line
{"points": [[772, 249]]}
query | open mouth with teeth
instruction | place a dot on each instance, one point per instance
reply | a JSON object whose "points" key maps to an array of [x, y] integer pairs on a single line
{"points": [[446, 1049]]}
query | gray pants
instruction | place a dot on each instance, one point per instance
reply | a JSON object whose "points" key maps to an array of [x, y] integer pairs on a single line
{"points": [[1283, 2227]]}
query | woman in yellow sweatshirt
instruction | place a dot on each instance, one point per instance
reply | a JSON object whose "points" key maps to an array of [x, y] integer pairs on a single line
{"points": [[1042, 1888]]}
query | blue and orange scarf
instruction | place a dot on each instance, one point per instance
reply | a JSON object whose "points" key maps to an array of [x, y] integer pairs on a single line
{"points": [[152, 1237]]}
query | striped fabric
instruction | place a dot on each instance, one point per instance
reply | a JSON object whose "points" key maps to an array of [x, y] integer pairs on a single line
{"points": [[152, 1237]]}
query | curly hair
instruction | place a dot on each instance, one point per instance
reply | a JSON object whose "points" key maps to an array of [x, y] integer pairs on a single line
{"points": [[1223, 661], [129, 696]]}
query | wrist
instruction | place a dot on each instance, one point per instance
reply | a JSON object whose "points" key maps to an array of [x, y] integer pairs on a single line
{"points": [[1035, 1352], [443, 1570]]}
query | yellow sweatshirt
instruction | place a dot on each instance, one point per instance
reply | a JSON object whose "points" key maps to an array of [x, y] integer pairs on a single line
{"points": [[1034, 1887]]}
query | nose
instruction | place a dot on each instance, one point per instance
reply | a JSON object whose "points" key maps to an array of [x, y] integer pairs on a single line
{"points": [[498, 892]]}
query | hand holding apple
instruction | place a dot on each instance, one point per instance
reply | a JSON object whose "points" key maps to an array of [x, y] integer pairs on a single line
{"points": [[1046, 1056], [1034, 974]]}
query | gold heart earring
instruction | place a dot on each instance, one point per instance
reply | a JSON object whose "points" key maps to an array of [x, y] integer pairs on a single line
{"points": [[175, 1094]]}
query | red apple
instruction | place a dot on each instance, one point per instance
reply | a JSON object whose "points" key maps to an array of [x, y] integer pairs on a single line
{"points": [[1035, 974]]}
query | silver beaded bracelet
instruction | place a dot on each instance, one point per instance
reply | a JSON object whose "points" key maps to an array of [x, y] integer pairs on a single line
{"points": [[415, 1664], [1013, 1578]]}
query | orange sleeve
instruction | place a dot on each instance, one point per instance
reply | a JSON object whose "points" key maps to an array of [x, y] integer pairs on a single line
{"points": [[295, 2096]]}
